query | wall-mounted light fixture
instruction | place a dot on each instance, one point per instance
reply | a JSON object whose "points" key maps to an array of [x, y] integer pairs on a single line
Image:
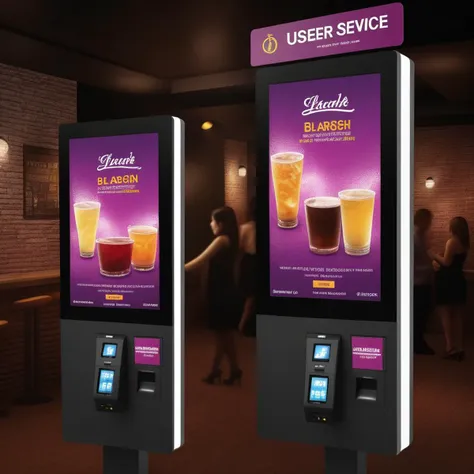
{"points": [[430, 182], [242, 171], [207, 125], [3, 147]]}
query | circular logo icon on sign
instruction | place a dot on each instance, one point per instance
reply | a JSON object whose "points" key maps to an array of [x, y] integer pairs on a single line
{"points": [[270, 44]]}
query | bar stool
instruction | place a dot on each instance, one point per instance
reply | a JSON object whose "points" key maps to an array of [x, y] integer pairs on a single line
{"points": [[30, 307], [3, 408]]}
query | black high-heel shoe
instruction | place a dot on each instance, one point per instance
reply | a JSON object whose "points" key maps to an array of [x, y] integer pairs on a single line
{"points": [[214, 377], [235, 377], [456, 355]]}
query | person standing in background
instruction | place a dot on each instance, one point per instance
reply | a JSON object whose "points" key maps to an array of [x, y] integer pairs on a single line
{"points": [[422, 280], [451, 286], [248, 272], [223, 297]]}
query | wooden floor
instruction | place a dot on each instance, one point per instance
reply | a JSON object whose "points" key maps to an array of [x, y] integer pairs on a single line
{"points": [[221, 433]]}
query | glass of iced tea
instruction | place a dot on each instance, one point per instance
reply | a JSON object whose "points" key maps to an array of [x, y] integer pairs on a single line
{"points": [[357, 212], [145, 239], [287, 171], [115, 256]]}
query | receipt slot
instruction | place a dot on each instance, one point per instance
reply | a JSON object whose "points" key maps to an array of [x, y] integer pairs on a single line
{"points": [[321, 384], [111, 377]]}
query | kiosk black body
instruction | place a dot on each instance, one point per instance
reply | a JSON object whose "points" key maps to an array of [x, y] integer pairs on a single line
{"points": [[122, 270], [374, 381]]}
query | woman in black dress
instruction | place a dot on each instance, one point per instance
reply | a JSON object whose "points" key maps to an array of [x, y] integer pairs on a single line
{"points": [[223, 297], [248, 273], [451, 287]]}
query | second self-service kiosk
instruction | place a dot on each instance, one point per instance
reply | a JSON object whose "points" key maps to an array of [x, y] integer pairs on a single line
{"points": [[334, 240], [122, 271]]}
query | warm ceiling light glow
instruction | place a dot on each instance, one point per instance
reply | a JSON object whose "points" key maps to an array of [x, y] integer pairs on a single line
{"points": [[3, 147], [207, 125], [242, 171], [429, 183]]}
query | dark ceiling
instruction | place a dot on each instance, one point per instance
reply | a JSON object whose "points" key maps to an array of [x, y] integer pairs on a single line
{"points": [[193, 47], [185, 38]]}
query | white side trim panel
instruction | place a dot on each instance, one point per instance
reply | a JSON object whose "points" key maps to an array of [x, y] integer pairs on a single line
{"points": [[178, 282], [405, 193]]}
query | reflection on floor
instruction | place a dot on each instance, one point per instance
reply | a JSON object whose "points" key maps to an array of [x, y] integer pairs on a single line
{"points": [[221, 428]]}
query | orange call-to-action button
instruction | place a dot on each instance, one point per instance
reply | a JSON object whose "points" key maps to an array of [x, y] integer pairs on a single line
{"points": [[324, 284], [114, 297]]}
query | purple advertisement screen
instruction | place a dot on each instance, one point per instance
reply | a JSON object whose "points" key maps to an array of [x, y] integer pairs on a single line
{"points": [[325, 188], [114, 220]]}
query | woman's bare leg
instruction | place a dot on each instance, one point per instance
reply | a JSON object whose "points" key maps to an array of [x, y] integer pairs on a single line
{"points": [[447, 320], [459, 327], [230, 348]]}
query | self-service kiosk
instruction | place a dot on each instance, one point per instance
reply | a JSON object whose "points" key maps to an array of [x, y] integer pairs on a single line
{"points": [[122, 325], [334, 238]]}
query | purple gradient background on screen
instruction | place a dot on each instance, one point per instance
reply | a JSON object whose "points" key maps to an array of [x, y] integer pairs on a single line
{"points": [[367, 353], [328, 168], [117, 212]]}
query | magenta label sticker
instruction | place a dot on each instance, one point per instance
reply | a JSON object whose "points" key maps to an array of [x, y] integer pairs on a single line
{"points": [[368, 353], [348, 32], [147, 351]]}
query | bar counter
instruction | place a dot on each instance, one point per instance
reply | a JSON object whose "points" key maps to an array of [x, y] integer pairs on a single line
{"points": [[23, 280], [15, 286]]}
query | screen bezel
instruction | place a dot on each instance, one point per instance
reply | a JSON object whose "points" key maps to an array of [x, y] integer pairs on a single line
{"points": [[163, 127], [321, 360], [98, 381], [315, 402], [384, 64], [109, 344]]}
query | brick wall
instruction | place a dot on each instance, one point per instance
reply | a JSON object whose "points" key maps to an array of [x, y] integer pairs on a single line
{"points": [[32, 106], [447, 155]]}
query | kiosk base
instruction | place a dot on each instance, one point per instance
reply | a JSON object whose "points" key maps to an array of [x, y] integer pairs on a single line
{"points": [[124, 461], [344, 461]]}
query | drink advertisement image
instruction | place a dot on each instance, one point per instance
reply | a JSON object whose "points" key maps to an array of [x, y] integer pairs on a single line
{"points": [[114, 224], [325, 188]]}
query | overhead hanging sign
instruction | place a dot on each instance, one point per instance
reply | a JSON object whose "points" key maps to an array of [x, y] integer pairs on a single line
{"points": [[348, 32]]}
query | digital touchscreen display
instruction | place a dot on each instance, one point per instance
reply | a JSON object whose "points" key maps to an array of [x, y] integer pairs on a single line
{"points": [[318, 391], [106, 381], [324, 188], [322, 352], [109, 350], [114, 222]]}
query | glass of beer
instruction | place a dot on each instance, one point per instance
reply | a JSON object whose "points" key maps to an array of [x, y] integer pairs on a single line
{"points": [[87, 221], [287, 170], [145, 240], [323, 221], [357, 212], [115, 256]]}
